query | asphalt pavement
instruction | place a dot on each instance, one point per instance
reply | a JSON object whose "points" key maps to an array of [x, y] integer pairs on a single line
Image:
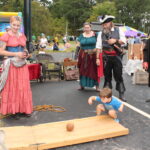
{"points": [[65, 94]]}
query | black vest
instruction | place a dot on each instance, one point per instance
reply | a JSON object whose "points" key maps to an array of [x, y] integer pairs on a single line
{"points": [[113, 34]]}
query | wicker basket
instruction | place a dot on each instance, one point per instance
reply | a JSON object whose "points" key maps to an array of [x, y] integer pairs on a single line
{"points": [[140, 77]]}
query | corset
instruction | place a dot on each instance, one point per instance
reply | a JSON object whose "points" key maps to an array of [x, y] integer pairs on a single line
{"points": [[15, 49]]}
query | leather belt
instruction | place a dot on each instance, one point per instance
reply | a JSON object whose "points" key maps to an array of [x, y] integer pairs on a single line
{"points": [[90, 51], [110, 50]]}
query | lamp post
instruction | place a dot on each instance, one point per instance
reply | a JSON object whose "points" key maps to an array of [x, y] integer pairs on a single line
{"points": [[27, 23]]}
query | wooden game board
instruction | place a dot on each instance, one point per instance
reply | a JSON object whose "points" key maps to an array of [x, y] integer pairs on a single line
{"points": [[52, 135]]}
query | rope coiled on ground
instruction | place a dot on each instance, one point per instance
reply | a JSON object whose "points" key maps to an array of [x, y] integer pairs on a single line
{"points": [[52, 108]]}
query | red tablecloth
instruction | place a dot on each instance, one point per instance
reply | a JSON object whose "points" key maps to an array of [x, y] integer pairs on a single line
{"points": [[0, 69], [34, 71]]}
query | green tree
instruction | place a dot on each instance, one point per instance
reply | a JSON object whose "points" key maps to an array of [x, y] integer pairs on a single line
{"points": [[134, 13], [43, 21], [3, 3], [11, 5], [76, 12], [58, 26], [45, 3], [104, 8]]}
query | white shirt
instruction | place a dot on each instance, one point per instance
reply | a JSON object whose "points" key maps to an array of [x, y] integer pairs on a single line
{"points": [[99, 38], [65, 38], [42, 52], [43, 41]]}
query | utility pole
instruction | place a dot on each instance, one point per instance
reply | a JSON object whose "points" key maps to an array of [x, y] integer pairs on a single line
{"points": [[27, 23]]}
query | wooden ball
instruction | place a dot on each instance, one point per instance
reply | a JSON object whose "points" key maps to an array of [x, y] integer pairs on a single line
{"points": [[70, 127]]}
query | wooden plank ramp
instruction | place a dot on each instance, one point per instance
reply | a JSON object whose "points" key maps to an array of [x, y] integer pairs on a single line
{"points": [[52, 135]]}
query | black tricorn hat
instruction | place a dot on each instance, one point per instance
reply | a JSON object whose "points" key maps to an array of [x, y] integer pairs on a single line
{"points": [[105, 18]]}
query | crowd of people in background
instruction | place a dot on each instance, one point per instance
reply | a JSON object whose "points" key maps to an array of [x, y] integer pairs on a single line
{"points": [[135, 39], [42, 42]]}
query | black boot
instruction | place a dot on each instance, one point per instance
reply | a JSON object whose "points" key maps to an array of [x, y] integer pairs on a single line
{"points": [[120, 87], [122, 97]]}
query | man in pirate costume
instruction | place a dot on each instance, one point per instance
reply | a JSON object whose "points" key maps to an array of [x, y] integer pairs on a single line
{"points": [[146, 61], [109, 41]]}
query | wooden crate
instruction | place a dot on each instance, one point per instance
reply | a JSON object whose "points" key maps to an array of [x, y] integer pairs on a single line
{"points": [[52, 135], [70, 70], [140, 77]]}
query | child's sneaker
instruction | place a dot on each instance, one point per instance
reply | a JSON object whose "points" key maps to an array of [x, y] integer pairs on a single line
{"points": [[117, 120]]}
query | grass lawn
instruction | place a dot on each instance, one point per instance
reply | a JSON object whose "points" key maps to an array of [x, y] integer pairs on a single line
{"points": [[62, 48]]}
